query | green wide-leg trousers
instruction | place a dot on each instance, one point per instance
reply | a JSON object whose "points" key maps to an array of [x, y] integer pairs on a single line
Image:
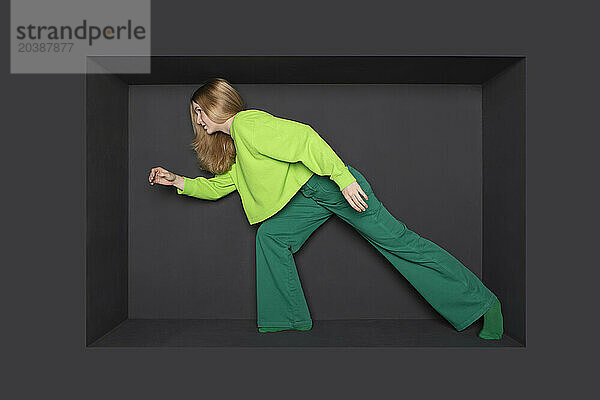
{"points": [[452, 289]]}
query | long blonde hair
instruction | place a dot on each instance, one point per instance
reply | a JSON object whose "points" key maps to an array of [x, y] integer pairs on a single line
{"points": [[219, 100]]}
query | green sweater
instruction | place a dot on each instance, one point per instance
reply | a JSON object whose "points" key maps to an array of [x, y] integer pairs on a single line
{"points": [[274, 158]]}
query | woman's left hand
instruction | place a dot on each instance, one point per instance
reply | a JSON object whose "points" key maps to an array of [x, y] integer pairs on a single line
{"points": [[352, 193]]}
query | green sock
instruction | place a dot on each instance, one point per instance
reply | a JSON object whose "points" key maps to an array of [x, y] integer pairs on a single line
{"points": [[303, 328], [493, 324]]}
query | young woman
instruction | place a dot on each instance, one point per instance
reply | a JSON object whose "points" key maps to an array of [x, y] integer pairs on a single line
{"points": [[291, 180]]}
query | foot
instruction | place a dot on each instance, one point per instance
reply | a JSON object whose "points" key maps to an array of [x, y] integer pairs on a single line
{"points": [[303, 328], [493, 323]]}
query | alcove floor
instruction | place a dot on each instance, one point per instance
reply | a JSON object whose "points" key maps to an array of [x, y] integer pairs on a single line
{"points": [[325, 333]]}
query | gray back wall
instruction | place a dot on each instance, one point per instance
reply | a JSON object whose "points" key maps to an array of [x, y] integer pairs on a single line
{"points": [[418, 145]]}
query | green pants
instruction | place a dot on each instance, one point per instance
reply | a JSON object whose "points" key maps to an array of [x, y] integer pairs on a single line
{"points": [[451, 288]]}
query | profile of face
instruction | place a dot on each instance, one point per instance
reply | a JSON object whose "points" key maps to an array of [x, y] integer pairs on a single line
{"points": [[202, 119]]}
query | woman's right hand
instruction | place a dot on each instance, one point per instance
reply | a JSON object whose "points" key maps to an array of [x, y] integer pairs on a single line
{"points": [[161, 176]]}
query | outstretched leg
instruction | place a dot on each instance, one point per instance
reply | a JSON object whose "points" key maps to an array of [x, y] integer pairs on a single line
{"points": [[450, 287], [281, 303]]}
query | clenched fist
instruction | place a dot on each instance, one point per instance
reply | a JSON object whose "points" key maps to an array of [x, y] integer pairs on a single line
{"points": [[161, 176]]}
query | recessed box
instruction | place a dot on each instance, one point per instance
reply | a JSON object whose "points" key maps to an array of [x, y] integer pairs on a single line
{"points": [[441, 139]]}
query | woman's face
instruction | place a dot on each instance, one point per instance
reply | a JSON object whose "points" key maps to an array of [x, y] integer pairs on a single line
{"points": [[203, 120]]}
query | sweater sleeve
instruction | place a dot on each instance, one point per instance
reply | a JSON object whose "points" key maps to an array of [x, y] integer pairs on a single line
{"points": [[208, 188], [292, 141]]}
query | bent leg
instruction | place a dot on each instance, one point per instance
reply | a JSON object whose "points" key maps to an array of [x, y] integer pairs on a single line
{"points": [[281, 303]]}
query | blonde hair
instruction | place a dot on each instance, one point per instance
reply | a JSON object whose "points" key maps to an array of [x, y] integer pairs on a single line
{"points": [[219, 101]]}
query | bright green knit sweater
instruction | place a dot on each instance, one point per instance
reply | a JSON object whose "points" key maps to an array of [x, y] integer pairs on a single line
{"points": [[274, 158]]}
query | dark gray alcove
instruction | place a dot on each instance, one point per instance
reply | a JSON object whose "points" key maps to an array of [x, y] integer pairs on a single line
{"points": [[440, 139]]}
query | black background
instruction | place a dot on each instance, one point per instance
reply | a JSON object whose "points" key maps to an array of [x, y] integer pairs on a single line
{"points": [[42, 160]]}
